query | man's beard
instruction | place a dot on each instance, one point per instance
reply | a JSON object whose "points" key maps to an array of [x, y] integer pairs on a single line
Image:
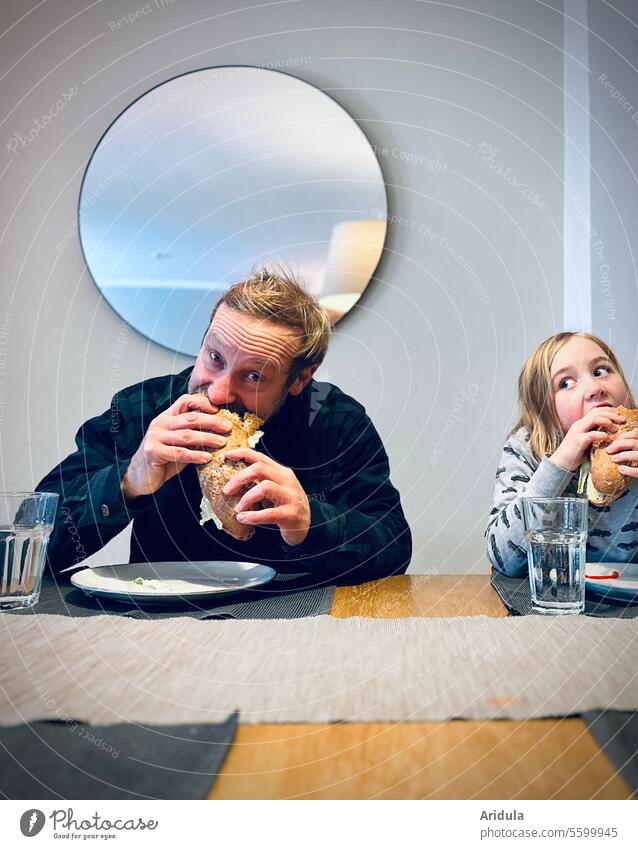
{"points": [[278, 404]]}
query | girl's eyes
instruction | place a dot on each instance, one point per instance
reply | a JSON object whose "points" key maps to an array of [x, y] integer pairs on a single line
{"points": [[604, 369], [599, 371]]}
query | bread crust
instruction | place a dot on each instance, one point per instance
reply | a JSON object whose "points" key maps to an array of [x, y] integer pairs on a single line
{"points": [[604, 473], [214, 476]]}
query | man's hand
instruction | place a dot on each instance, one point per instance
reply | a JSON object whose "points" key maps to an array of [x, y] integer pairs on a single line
{"points": [[582, 434], [277, 485], [174, 439], [625, 450]]}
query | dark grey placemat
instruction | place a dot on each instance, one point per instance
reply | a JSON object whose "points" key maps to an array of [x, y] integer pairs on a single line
{"points": [[71, 760], [616, 732], [515, 595], [285, 597]]}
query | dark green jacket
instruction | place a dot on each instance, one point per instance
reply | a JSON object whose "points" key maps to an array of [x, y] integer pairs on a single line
{"points": [[358, 531]]}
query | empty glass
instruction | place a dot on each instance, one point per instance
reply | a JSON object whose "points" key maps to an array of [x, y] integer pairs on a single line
{"points": [[26, 522], [556, 536]]}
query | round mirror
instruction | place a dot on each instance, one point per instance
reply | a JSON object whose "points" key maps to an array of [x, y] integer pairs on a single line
{"points": [[219, 171]]}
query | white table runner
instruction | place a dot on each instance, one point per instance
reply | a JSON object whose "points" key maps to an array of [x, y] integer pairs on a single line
{"points": [[112, 669]]}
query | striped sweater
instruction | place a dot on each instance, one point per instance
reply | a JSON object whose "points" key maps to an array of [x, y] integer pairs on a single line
{"points": [[613, 530]]}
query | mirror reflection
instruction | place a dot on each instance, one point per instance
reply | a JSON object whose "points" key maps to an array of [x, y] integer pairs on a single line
{"points": [[218, 171]]}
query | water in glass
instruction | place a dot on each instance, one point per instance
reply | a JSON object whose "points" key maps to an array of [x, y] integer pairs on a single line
{"points": [[556, 566], [22, 552]]}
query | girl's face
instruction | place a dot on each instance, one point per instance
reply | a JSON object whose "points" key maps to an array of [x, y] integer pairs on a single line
{"points": [[583, 378]]}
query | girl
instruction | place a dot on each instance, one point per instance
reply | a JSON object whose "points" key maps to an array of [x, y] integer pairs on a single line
{"points": [[568, 390]]}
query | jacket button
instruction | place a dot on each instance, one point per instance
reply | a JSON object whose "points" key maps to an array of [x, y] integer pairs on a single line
{"points": [[104, 510]]}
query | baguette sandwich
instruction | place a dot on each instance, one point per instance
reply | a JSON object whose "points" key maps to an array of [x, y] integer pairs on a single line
{"points": [[600, 477], [214, 475]]}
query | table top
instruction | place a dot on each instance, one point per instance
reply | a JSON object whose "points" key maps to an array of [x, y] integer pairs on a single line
{"points": [[457, 759]]}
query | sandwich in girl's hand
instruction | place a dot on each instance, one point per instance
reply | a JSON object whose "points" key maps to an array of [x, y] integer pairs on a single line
{"points": [[575, 404], [604, 480], [214, 475]]}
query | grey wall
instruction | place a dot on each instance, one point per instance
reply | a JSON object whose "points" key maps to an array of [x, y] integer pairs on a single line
{"points": [[613, 59], [465, 108]]}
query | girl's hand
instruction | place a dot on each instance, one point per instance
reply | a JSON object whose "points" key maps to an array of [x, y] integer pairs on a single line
{"points": [[579, 438], [625, 450]]}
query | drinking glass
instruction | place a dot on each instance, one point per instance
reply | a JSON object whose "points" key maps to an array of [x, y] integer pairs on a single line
{"points": [[556, 536], [26, 522]]}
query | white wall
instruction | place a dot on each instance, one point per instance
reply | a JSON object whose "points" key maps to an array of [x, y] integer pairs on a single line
{"points": [[464, 102]]}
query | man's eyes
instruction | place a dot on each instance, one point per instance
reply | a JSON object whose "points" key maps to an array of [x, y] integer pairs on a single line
{"points": [[251, 376]]}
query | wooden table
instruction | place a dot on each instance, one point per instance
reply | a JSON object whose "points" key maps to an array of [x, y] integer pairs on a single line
{"points": [[458, 759]]}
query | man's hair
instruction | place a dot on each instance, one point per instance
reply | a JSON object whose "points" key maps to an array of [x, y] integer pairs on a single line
{"points": [[536, 397], [279, 297]]}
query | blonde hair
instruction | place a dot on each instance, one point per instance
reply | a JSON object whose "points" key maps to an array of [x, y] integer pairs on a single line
{"points": [[536, 397], [278, 296]]}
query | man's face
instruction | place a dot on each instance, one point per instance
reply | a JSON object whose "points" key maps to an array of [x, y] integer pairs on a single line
{"points": [[244, 364]]}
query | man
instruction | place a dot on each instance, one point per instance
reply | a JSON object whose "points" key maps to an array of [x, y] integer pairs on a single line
{"points": [[323, 503]]}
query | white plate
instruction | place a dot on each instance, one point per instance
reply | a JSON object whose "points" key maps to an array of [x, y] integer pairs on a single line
{"points": [[162, 583], [624, 588]]}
